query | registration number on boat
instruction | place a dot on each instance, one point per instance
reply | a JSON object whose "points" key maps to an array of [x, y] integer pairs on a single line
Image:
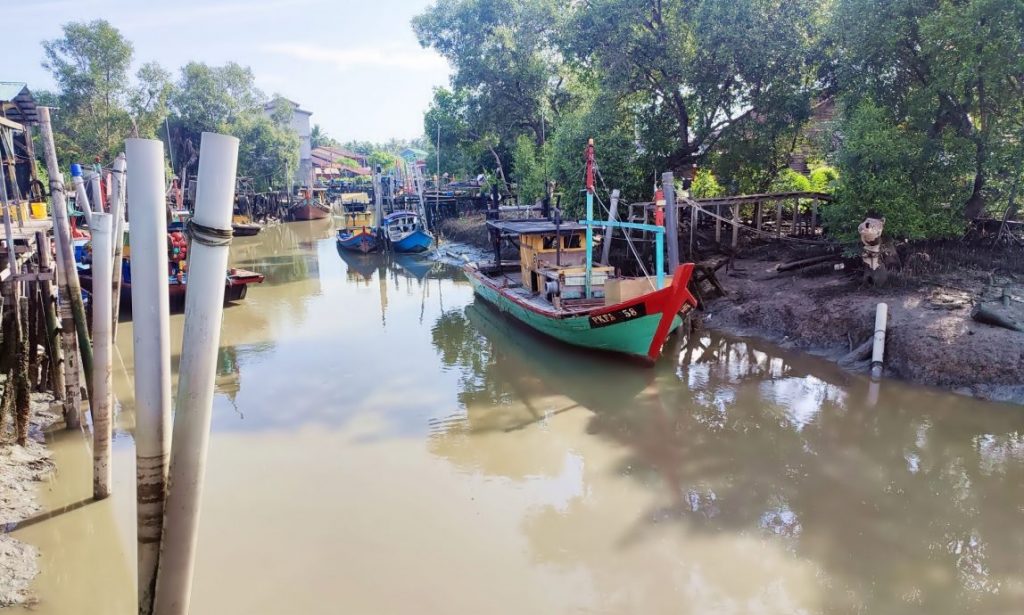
{"points": [[611, 318]]}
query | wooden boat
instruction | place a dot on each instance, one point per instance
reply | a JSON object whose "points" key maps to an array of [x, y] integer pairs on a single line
{"points": [[236, 285], [357, 232], [405, 232], [555, 288], [312, 205], [242, 225], [546, 290]]}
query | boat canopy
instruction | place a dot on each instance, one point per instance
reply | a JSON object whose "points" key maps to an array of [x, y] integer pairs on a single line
{"points": [[534, 227]]}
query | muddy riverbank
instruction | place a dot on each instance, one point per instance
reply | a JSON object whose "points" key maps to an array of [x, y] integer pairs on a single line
{"points": [[22, 470], [932, 339]]}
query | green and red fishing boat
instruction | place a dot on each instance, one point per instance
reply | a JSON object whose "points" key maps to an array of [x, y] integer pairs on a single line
{"points": [[556, 289]]}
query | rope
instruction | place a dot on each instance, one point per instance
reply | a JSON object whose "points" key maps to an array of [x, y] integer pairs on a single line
{"points": [[207, 235]]}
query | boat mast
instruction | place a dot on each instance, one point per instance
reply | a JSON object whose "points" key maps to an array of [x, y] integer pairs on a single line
{"points": [[590, 212]]}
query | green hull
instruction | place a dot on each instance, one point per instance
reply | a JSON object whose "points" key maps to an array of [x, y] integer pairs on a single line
{"points": [[632, 337]]}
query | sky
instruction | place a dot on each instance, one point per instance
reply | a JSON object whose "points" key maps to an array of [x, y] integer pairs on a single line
{"points": [[355, 64]]}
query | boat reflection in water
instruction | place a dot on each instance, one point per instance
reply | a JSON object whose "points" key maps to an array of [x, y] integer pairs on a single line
{"points": [[770, 480]]}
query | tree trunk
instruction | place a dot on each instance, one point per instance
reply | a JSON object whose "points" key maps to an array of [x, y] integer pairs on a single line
{"points": [[975, 205]]}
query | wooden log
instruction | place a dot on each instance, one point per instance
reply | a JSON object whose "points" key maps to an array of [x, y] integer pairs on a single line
{"points": [[806, 262], [986, 316], [858, 354]]}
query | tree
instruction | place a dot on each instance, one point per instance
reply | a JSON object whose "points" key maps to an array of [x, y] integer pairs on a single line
{"points": [[318, 137], [148, 99], [209, 97], [508, 78], [268, 151], [89, 64], [699, 72], [949, 76]]}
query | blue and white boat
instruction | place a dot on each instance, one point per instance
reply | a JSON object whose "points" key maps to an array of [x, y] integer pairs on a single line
{"points": [[405, 232]]}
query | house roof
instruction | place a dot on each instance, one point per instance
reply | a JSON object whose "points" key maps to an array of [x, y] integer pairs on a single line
{"points": [[270, 105], [17, 103]]}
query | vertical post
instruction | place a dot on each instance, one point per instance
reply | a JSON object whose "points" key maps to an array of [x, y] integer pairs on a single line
{"points": [[100, 400], [757, 214], [66, 256], [718, 224], [52, 330], [778, 218], [204, 307], [117, 208], [659, 257], [152, 352], [81, 198], [668, 186], [735, 224], [613, 215], [590, 241], [95, 191], [878, 343], [18, 385], [814, 216]]}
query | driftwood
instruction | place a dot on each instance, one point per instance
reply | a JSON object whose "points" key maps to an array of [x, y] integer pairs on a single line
{"points": [[806, 262], [858, 354], [986, 316]]}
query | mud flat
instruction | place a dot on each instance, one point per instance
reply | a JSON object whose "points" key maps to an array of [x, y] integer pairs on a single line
{"points": [[22, 468]]}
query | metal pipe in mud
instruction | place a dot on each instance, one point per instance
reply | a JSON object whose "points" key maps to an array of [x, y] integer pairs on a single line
{"points": [[210, 229], [151, 342], [878, 348], [101, 399]]}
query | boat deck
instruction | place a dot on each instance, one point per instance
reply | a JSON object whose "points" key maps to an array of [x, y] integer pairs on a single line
{"points": [[511, 283]]}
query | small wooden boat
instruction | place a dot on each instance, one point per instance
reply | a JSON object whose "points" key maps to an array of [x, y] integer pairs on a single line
{"points": [[236, 285], [245, 229], [405, 232], [546, 290], [312, 205], [357, 233]]}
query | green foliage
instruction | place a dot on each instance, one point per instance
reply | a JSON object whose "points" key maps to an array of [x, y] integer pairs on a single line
{"points": [[705, 185], [790, 181], [385, 160], [207, 98], [824, 179], [268, 152], [318, 137], [892, 171], [89, 64], [948, 75]]}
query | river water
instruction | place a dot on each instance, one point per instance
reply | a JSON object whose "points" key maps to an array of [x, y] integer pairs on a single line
{"points": [[384, 444]]}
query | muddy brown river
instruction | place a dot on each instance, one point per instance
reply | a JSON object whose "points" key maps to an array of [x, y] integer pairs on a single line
{"points": [[384, 444]]}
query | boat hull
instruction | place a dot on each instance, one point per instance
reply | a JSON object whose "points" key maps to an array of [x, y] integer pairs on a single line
{"points": [[363, 242], [309, 212], [637, 327], [418, 240]]}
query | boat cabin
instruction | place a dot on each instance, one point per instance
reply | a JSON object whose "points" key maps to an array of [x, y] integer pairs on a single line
{"points": [[357, 219], [401, 223], [553, 261]]}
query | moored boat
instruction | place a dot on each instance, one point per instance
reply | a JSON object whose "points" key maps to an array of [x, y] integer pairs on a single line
{"points": [[357, 232], [405, 232], [547, 291], [312, 205]]}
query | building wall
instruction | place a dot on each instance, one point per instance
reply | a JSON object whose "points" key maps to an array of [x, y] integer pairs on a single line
{"points": [[300, 124]]}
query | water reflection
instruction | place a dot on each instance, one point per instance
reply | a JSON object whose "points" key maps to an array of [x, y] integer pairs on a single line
{"points": [[913, 504]]}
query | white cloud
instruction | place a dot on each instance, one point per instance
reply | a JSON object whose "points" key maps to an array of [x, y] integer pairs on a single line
{"points": [[362, 57]]}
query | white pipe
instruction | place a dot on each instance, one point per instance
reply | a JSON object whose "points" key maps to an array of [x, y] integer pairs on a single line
{"points": [[81, 198], [878, 349], [204, 306], [101, 401], [95, 192], [117, 207], [152, 352]]}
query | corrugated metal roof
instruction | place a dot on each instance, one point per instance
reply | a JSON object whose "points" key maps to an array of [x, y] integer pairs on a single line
{"points": [[23, 109]]}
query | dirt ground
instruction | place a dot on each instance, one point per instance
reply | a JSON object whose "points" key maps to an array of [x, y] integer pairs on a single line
{"points": [[21, 469], [931, 338]]}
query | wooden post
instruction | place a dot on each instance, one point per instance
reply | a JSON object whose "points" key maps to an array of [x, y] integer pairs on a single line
{"points": [[718, 224], [757, 214], [814, 217], [100, 398], [778, 219], [66, 258], [735, 224], [609, 232], [668, 187], [53, 341], [117, 208]]}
